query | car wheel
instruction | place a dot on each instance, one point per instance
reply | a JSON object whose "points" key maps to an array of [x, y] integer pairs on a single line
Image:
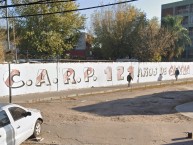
{"points": [[37, 128]]}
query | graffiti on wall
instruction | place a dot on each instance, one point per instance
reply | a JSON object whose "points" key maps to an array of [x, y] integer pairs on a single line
{"points": [[131, 70], [9, 80], [68, 74], [155, 71], [147, 72], [108, 72], [90, 74], [42, 78], [67, 77], [184, 69]]}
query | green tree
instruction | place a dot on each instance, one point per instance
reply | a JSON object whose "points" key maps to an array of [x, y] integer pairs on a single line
{"points": [[48, 35], [2, 39], [146, 45], [178, 36], [152, 40], [115, 30], [123, 30]]}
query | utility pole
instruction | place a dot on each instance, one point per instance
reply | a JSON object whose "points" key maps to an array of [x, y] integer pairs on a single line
{"points": [[7, 20], [8, 46], [14, 40]]}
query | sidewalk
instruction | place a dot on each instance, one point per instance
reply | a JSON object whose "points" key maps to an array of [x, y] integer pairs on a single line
{"points": [[185, 109], [38, 97]]}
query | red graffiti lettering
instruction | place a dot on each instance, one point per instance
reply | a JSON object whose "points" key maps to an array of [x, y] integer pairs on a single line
{"points": [[42, 78], [69, 74], [88, 72], [108, 72], [131, 70], [11, 83], [120, 70]]}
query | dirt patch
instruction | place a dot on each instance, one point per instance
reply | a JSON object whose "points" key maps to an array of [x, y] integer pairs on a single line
{"points": [[138, 117]]}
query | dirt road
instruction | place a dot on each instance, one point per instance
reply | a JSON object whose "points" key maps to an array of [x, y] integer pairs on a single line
{"points": [[141, 117]]}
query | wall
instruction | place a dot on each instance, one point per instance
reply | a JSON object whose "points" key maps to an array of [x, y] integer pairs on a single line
{"points": [[32, 78]]}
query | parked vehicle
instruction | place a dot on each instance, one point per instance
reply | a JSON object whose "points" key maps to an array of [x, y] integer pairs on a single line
{"points": [[18, 123]]}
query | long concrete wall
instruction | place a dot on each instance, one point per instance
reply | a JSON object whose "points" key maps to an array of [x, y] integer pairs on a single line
{"points": [[32, 78]]}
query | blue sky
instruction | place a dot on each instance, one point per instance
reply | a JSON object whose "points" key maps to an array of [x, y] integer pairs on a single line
{"points": [[150, 7]]}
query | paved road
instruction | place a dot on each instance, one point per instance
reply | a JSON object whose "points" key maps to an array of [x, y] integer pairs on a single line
{"points": [[185, 109]]}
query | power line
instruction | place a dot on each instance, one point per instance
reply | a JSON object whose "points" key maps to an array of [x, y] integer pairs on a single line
{"points": [[74, 10], [38, 2]]}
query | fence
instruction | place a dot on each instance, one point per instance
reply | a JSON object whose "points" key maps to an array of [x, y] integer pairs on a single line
{"points": [[46, 77]]}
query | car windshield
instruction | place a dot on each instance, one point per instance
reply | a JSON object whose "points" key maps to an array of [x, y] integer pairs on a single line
{"points": [[4, 120]]}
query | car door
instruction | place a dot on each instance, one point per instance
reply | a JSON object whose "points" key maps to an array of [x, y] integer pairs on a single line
{"points": [[21, 123], [7, 133]]}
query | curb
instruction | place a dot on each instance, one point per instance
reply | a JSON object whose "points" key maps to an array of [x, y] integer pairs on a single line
{"points": [[132, 88]]}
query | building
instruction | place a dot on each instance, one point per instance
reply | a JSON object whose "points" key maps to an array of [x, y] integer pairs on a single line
{"points": [[182, 8], [82, 49]]}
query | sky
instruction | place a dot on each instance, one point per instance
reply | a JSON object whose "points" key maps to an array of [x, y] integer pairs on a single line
{"points": [[150, 7]]}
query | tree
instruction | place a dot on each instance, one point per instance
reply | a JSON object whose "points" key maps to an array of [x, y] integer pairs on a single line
{"points": [[158, 42], [179, 36], [115, 30], [2, 39], [152, 40], [48, 35], [146, 46], [123, 30]]}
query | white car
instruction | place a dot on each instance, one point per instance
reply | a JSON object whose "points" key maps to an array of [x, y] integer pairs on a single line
{"points": [[18, 123]]}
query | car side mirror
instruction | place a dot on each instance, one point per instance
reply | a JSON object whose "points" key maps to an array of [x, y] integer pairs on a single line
{"points": [[27, 114]]}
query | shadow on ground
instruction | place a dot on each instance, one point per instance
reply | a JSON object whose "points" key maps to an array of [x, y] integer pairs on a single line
{"points": [[190, 142], [153, 104]]}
